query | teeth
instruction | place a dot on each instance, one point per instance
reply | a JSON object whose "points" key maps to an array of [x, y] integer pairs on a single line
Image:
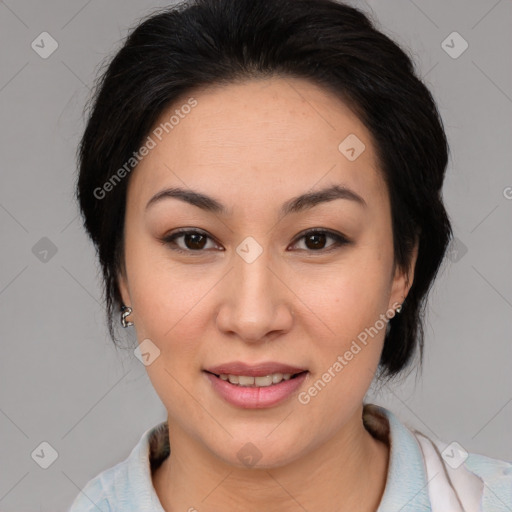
{"points": [[242, 381], [259, 382], [276, 377]]}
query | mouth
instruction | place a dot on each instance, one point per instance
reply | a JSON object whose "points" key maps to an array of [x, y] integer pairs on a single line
{"points": [[261, 391], [250, 381]]}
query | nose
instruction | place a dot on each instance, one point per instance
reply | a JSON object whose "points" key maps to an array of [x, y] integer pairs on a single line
{"points": [[255, 300]]}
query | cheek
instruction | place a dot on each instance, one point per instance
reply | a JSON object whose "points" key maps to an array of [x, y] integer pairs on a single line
{"points": [[170, 306], [346, 337], [345, 309], [172, 311], [350, 296]]}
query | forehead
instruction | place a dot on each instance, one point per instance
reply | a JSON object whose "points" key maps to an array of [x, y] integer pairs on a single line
{"points": [[260, 137]]}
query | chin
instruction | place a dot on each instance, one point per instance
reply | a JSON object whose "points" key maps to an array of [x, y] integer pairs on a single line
{"points": [[258, 452]]}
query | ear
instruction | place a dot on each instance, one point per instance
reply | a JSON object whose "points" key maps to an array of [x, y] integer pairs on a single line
{"points": [[402, 280], [122, 282]]}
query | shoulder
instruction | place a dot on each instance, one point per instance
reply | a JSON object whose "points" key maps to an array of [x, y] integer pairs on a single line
{"points": [[127, 486], [428, 474], [480, 483], [97, 493], [496, 476]]}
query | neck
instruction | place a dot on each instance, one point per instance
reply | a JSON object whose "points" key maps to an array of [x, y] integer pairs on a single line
{"points": [[348, 472]]}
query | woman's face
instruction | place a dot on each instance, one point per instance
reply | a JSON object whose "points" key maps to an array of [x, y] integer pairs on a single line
{"points": [[250, 285]]}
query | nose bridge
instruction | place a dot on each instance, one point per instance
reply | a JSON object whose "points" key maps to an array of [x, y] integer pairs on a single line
{"points": [[253, 285], [255, 303]]}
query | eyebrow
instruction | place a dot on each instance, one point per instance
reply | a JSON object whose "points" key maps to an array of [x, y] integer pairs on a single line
{"points": [[294, 205]]}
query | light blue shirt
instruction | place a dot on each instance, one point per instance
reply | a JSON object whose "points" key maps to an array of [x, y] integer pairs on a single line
{"points": [[419, 479]]}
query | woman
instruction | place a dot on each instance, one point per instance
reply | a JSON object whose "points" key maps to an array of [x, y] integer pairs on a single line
{"points": [[262, 180]]}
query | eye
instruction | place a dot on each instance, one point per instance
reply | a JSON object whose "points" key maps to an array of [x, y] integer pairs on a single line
{"points": [[196, 241], [315, 240], [193, 240]]}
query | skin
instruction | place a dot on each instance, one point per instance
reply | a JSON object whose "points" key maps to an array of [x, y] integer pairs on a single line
{"points": [[253, 146]]}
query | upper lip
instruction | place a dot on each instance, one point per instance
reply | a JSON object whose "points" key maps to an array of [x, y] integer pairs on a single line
{"points": [[255, 370]]}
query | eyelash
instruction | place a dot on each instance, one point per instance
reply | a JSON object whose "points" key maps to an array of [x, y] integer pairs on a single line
{"points": [[339, 240]]}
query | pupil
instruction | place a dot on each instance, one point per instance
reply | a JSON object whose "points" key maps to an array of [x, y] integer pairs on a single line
{"points": [[194, 237], [315, 236]]}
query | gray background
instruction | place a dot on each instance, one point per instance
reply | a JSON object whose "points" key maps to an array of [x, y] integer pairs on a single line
{"points": [[63, 382]]}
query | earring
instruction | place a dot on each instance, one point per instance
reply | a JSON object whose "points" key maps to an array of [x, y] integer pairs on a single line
{"points": [[398, 309], [126, 311]]}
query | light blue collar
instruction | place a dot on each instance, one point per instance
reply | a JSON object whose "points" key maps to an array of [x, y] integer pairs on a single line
{"points": [[406, 487]]}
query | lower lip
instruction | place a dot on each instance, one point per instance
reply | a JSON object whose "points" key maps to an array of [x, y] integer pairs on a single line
{"points": [[253, 397]]}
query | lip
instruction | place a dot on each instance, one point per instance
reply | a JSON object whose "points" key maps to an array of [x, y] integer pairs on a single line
{"points": [[247, 397], [255, 370]]}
